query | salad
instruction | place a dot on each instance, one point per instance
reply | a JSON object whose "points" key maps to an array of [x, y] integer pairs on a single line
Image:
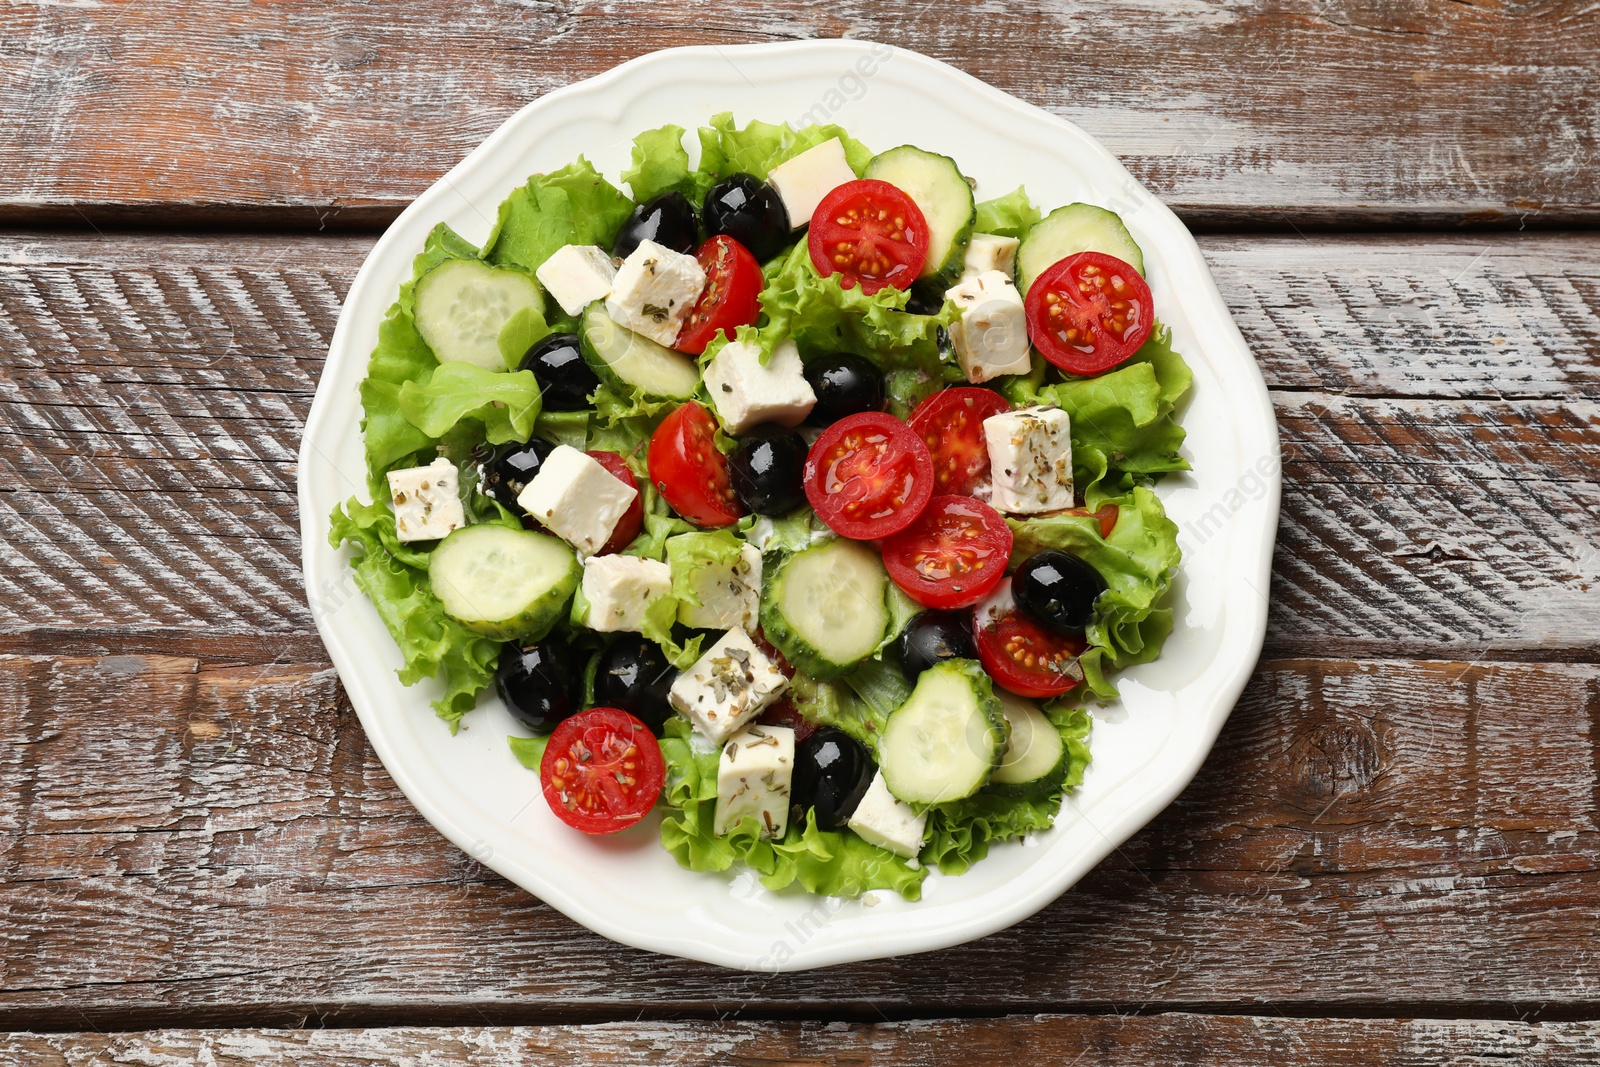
{"points": [[799, 493]]}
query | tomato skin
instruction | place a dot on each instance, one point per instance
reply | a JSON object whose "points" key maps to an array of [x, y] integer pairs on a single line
{"points": [[1107, 516], [632, 521], [950, 422], [783, 713], [1004, 635], [870, 234], [952, 556], [1089, 312], [730, 298], [868, 476], [602, 771], [689, 471]]}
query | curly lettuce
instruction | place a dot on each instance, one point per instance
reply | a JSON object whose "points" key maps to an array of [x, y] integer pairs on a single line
{"points": [[395, 578], [1012, 215], [960, 832], [571, 206], [820, 315], [757, 147], [1137, 560], [1125, 430]]}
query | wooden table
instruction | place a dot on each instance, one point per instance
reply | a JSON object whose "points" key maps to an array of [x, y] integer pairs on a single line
{"points": [[1391, 856]]}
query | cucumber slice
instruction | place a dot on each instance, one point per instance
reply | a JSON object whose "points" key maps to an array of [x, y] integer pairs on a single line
{"points": [[824, 607], [462, 305], [1066, 231], [1036, 758], [936, 185], [510, 584], [627, 361], [944, 742]]}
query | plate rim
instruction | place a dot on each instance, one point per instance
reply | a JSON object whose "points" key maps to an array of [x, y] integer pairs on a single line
{"points": [[1176, 765]]}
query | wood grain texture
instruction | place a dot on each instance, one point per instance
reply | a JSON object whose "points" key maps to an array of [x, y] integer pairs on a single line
{"points": [[1085, 1041], [218, 846], [313, 113], [155, 389]]}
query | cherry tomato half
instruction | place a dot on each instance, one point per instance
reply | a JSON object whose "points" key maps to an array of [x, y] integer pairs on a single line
{"points": [[688, 470], [951, 423], [868, 476], [952, 555], [1021, 656], [870, 234], [1089, 312], [632, 521], [602, 771], [730, 298]]}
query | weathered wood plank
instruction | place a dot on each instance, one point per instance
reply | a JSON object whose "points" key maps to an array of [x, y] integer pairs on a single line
{"points": [[1083, 1040], [1270, 114], [155, 388], [1417, 835], [1418, 316]]}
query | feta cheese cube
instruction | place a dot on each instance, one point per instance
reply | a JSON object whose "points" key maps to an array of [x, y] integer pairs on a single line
{"points": [[753, 778], [990, 251], [992, 336], [576, 275], [1030, 460], [746, 393], [729, 593], [803, 181], [427, 501], [576, 499], [727, 687], [620, 589], [654, 291], [884, 820]]}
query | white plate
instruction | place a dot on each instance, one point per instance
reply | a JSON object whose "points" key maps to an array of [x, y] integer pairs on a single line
{"points": [[1145, 750]]}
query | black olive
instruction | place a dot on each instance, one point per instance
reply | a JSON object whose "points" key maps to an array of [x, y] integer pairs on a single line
{"points": [[845, 384], [667, 220], [927, 297], [831, 772], [766, 469], [932, 636], [751, 212], [565, 380], [536, 682], [634, 675], [1057, 590], [510, 467]]}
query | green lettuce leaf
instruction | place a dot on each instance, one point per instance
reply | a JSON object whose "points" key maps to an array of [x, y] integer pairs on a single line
{"points": [[660, 524], [401, 356], [1123, 427], [837, 704], [661, 165], [1137, 562], [785, 533], [1012, 215], [528, 750], [506, 403], [688, 552], [823, 862], [430, 641], [757, 147], [960, 832], [821, 316], [572, 206], [564, 428]]}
